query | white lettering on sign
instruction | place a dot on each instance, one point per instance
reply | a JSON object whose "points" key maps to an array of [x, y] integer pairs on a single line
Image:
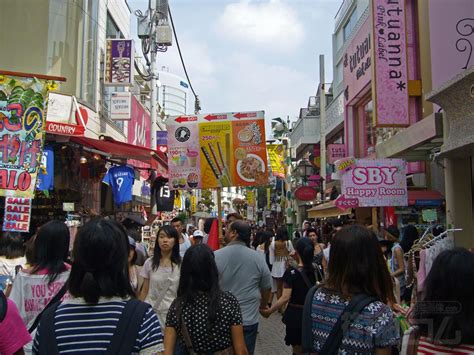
{"points": [[374, 175], [140, 132]]}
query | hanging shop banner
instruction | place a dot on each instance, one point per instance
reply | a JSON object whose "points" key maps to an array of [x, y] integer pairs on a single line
{"points": [[65, 116], [390, 73], [276, 155], [373, 182], [17, 214], [22, 103], [335, 152], [250, 213], [119, 62], [120, 106], [217, 150], [139, 133], [162, 141], [45, 180], [250, 197]]}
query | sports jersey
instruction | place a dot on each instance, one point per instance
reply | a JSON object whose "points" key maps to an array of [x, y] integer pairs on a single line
{"points": [[120, 179], [46, 180], [164, 197]]}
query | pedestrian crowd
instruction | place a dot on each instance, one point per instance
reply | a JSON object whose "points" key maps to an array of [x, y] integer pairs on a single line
{"points": [[347, 289]]}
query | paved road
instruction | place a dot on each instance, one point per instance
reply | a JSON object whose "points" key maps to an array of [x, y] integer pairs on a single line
{"points": [[271, 337]]}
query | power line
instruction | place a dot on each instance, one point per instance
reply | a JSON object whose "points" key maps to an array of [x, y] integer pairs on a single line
{"points": [[181, 57]]}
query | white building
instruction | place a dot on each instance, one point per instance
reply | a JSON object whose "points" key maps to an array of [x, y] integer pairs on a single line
{"points": [[174, 94]]}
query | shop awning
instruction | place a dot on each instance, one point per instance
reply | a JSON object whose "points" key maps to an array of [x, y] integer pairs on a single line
{"points": [[327, 209], [425, 198], [416, 142], [121, 150]]}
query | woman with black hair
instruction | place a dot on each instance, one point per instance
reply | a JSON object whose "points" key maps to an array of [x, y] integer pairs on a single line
{"points": [[357, 272], [101, 300], [296, 283], [35, 286], [161, 273], [280, 249], [203, 318], [444, 316], [12, 259]]}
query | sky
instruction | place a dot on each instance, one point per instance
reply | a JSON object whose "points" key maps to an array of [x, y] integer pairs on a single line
{"points": [[247, 55]]}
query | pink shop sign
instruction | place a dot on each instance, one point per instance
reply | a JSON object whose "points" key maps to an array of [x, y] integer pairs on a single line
{"points": [[390, 78], [376, 182]]}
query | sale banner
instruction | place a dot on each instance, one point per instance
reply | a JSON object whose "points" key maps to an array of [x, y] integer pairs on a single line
{"points": [[17, 214], [373, 182], [22, 104], [217, 150]]}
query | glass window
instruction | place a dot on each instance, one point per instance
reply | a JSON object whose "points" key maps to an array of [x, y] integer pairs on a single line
{"points": [[89, 52], [371, 138], [350, 25], [112, 30]]}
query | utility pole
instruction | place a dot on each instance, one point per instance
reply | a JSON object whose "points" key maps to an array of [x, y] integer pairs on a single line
{"points": [[322, 120], [153, 94]]}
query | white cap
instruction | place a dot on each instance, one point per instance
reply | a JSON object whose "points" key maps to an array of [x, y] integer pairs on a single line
{"points": [[198, 233]]}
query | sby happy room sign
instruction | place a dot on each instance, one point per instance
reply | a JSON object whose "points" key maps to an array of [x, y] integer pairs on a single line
{"points": [[372, 182]]}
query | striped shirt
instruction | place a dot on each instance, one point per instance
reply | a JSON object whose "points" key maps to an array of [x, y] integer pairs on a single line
{"points": [[86, 328], [425, 346]]}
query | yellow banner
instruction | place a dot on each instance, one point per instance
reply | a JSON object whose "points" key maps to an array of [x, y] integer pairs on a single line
{"points": [[276, 154], [250, 197]]}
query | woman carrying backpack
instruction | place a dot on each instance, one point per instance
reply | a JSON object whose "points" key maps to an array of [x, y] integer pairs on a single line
{"points": [[296, 283], [203, 319], [349, 312], [102, 304]]}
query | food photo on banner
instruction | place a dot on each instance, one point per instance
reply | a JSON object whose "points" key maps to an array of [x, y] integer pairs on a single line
{"points": [[372, 182], [22, 105], [217, 150]]}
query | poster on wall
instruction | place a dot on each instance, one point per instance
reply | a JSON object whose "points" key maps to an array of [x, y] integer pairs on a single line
{"points": [[217, 150], [22, 104], [372, 182], [17, 214], [119, 62], [390, 69]]}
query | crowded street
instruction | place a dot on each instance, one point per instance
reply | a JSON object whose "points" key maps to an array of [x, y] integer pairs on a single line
{"points": [[237, 177]]}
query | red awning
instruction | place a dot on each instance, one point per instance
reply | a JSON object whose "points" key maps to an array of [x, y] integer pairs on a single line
{"points": [[423, 195], [120, 150]]}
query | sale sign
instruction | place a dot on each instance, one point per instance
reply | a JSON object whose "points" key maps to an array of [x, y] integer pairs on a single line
{"points": [[374, 182], [22, 103], [217, 150], [17, 214]]}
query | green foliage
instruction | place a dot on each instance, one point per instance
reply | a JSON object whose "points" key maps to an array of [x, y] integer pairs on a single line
{"points": [[183, 217], [3, 96], [26, 97], [206, 199]]}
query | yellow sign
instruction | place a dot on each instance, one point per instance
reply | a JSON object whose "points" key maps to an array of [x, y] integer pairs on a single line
{"points": [[276, 154], [250, 197]]}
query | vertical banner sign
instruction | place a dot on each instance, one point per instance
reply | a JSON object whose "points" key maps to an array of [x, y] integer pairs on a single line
{"points": [[390, 79], [277, 159], [119, 62], [217, 150], [162, 141], [17, 214], [372, 182], [22, 103], [139, 132], [120, 106]]}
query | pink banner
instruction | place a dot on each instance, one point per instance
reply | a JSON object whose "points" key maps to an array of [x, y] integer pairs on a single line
{"points": [[375, 182], [335, 152], [139, 132], [357, 63], [390, 63]]}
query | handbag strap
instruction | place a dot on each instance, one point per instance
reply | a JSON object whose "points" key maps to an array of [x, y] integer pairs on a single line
{"points": [[305, 278], [57, 297], [350, 313], [184, 330], [306, 332], [47, 338]]}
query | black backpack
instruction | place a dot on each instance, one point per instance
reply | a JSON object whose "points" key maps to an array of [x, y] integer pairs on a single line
{"points": [[122, 341], [333, 342]]}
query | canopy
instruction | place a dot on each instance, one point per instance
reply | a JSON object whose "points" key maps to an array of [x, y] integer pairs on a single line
{"points": [[327, 209], [121, 150]]}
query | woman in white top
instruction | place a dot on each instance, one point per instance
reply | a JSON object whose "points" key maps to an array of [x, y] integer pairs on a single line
{"points": [[12, 259], [161, 273], [280, 249]]}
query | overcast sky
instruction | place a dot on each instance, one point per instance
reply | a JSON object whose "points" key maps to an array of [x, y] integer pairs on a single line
{"points": [[244, 55]]}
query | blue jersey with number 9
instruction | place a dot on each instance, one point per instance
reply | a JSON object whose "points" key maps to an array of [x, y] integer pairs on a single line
{"points": [[120, 179]]}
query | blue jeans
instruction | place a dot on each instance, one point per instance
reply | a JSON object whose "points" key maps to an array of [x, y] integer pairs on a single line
{"points": [[250, 337]]}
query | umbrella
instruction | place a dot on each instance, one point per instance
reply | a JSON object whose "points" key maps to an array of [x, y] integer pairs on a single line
{"points": [[202, 215]]}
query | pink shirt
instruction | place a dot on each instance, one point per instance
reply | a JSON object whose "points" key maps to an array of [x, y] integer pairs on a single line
{"points": [[13, 333]]}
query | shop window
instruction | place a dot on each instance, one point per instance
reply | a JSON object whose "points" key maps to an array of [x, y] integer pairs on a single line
{"points": [[350, 25], [371, 137]]}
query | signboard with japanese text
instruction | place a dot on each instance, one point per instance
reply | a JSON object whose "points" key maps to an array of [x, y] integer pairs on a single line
{"points": [[120, 105], [162, 141], [119, 62], [139, 133], [373, 182], [17, 214], [390, 68], [217, 150], [22, 104], [276, 154], [335, 152]]}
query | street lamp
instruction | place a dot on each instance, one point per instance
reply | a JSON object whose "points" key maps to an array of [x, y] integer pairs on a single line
{"points": [[305, 169]]}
